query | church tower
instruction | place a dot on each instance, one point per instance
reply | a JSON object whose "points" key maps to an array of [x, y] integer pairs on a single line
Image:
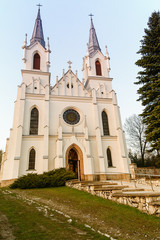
{"points": [[28, 119], [73, 124], [108, 126]]}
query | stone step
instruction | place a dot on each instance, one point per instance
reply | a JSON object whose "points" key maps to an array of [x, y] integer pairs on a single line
{"points": [[102, 184], [137, 194], [133, 190], [99, 186], [110, 188]]}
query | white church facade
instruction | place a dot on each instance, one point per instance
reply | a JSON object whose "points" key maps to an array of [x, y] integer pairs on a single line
{"points": [[73, 124]]}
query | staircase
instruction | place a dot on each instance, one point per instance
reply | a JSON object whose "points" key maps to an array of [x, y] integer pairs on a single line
{"points": [[144, 199]]}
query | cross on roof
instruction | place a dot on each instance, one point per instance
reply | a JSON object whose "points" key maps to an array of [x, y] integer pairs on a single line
{"points": [[69, 62], [91, 15], [39, 5]]}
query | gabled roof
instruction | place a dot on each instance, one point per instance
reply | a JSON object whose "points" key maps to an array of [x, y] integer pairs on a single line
{"points": [[69, 81], [38, 31], [93, 44]]}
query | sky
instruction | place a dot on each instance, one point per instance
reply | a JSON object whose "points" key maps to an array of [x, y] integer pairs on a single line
{"points": [[119, 24]]}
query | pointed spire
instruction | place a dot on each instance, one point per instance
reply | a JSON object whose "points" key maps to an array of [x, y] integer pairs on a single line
{"points": [[38, 30], [93, 44]]}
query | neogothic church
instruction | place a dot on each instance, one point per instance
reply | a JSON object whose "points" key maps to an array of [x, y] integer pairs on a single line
{"points": [[73, 124]]}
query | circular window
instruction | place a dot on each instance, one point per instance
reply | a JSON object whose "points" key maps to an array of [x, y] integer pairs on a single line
{"points": [[71, 116]]}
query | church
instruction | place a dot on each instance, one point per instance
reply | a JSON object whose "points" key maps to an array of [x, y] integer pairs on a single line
{"points": [[74, 124]]}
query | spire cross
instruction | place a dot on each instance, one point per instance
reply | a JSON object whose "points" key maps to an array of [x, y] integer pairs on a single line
{"points": [[69, 62], [39, 5], [91, 15]]}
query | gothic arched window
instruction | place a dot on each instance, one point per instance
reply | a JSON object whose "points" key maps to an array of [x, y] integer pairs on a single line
{"points": [[98, 68], [34, 122], [105, 123], [32, 157], [36, 61], [109, 158]]}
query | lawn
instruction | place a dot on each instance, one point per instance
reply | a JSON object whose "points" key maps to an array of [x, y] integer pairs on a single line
{"points": [[65, 213]]}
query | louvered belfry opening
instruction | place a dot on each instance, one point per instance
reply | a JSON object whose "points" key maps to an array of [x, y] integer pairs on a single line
{"points": [[34, 122], [109, 158], [36, 61], [98, 68], [32, 156], [105, 123]]}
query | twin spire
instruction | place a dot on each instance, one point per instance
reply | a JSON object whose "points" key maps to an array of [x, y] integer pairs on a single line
{"points": [[37, 35], [93, 44], [38, 31]]}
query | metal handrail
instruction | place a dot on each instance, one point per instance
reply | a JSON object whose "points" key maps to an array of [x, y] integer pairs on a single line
{"points": [[150, 176]]}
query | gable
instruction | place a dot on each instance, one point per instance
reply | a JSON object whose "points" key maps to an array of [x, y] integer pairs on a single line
{"points": [[70, 85]]}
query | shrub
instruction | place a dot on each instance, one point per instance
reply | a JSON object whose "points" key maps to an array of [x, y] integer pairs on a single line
{"points": [[54, 178]]}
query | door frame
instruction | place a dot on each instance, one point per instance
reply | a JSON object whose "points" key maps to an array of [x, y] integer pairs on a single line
{"points": [[80, 160]]}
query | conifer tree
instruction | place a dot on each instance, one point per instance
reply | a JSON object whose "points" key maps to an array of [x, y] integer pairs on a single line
{"points": [[149, 79]]}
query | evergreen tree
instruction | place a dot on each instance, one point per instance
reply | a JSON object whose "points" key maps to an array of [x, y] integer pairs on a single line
{"points": [[149, 79]]}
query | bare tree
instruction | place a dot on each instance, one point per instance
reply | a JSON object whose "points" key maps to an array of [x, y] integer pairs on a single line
{"points": [[136, 137]]}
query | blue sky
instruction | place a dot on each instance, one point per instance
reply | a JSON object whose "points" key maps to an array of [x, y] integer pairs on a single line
{"points": [[119, 24]]}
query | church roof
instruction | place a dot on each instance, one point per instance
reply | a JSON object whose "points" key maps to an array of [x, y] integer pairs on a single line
{"points": [[93, 45], [38, 31]]}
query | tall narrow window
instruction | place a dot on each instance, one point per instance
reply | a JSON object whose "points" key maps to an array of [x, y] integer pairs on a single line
{"points": [[105, 123], [109, 158], [34, 122], [98, 68], [32, 157], [36, 61]]}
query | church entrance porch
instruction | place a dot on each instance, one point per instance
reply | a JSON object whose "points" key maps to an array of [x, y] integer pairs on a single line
{"points": [[74, 161]]}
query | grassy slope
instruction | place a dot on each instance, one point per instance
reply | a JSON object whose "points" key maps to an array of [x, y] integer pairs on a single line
{"points": [[30, 224], [121, 222]]}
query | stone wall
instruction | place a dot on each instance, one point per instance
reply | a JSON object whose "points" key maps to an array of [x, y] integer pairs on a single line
{"points": [[135, 171], [145, 202]]}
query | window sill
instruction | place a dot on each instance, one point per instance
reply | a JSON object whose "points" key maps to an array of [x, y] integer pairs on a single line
{"points": [[111, 167]]}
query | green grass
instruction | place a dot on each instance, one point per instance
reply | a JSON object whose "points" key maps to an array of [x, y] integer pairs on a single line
{"points": [[119, 221], [29, 223]]}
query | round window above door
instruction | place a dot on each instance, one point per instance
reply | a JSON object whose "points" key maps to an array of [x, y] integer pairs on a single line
{"points": [[71, 116]]}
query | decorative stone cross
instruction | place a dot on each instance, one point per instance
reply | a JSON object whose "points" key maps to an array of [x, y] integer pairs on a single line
{"points": [[39, 5], [91, 15], [69, 62]]}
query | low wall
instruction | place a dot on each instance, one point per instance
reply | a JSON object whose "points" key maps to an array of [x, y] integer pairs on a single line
{"points": [[145, 170], [145, 202], [6, 183]]}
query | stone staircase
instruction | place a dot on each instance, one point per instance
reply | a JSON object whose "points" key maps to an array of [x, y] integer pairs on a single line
{"points": [[145, 200]]}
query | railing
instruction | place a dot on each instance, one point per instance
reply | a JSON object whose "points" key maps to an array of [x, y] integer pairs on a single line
{"points": [[137, 177], [147, 176]]}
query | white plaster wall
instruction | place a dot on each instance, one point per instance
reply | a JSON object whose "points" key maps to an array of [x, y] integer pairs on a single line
{"points": [[29, 105], [30, 51], [108, 108], [89, 65], [115, 152], [58, 106], [27, 144], [30, 76], [94, 154], [98, 56], [52, 152]]}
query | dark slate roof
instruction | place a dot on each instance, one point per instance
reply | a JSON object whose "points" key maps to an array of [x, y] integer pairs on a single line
{"points": [[38, 31], [93, 40]]}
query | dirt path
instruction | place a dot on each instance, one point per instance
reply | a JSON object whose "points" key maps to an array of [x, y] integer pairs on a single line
{"points": [[5, 228]]}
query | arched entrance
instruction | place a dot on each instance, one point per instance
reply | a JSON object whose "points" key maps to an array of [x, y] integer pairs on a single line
{"points": [[74, 161]]}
